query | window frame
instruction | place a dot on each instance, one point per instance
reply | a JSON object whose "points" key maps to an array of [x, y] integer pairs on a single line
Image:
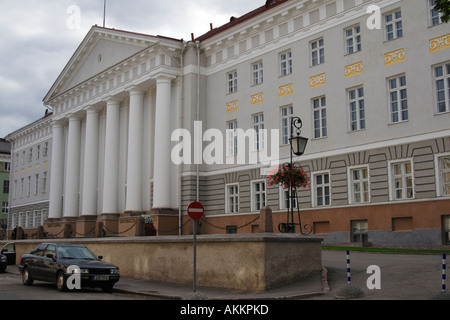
{"points": [[258, 131], [392, 179], [440, 184], [322, 120], [319, 50], [285, 124], [359, 120], [355, 37], [394, 23], [445, 78], [228, 195], [286, 64], [257, 73], [351, 185], [315, 185], [254, 193], [398, 90], [232, 83]]}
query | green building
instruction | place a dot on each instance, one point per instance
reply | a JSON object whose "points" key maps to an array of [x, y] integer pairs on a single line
{"points": [[5, 168]]}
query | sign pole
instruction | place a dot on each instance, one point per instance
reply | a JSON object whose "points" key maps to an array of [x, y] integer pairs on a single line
{"points": [[195, 256], [196, 212]]}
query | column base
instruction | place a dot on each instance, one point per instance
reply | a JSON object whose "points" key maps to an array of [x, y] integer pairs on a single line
{"points": [[131, 224], [166, 221], [85, 226], [110, 223]]}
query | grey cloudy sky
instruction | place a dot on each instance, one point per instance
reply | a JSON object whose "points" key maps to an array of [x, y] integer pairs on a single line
{"points": [[36, 42]]}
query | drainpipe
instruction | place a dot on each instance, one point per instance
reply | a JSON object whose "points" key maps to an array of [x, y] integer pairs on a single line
{"points": [[181, 120], [198, 112]]}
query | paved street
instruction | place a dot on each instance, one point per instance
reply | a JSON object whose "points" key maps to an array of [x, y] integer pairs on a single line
{"points": [[11, 288], [403, 276]]}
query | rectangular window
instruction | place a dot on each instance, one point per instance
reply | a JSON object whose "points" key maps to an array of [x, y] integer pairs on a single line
{"points": [[232, 82], [322, 189], [285, 201], [6, 186], [258, 195], [353, 39], [393, 25], [232, 198], [435, 16], [29, 187], [257, 73], [4, 207], [285, 63], [232, 138], [398, 99], [286, 117], [317, 52], [443, 167], [446, 229], [357, 109], [442, 83], [45, 149], [44, 182], [36, 185], [258, 126], [401, 176], [360, 231], [320, 117], [359, 185]]}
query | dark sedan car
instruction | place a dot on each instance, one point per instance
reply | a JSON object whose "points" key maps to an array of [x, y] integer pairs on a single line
{"points": [[55, 263], [7, 256]]}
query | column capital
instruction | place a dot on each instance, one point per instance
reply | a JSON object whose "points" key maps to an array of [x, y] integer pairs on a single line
{"points": [[164, 77], [136, 90]]}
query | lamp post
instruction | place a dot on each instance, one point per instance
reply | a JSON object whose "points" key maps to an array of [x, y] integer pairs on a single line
{"points": [[298, 146]]}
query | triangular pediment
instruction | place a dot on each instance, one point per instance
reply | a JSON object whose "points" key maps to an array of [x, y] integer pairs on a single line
{"points": [[100, 50]]}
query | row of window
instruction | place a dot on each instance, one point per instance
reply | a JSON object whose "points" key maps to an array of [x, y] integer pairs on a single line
{"points": [[28, 187], [401, 186], [29, 219], [27, 155], [393, 28], [397, 100]]}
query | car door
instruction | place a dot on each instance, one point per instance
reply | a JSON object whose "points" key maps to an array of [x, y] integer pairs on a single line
{"points": [[35, 261], [9, 250], [49, 263]]}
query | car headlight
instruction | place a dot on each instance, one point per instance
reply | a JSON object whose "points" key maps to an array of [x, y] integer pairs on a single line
{"points": [[115, 271], [79, 271]]}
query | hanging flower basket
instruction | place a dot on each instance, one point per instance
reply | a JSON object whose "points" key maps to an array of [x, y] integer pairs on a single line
{"points": [[286, 176]]}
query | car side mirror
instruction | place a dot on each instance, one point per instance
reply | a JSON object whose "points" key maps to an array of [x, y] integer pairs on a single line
{"points": [[4, 251], [100, 257]]}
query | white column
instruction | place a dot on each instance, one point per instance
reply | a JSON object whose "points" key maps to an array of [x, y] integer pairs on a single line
{"points": [[90, 181], [163, 161], [72, 185], [57, 174], [135, 145], [111, 169]]}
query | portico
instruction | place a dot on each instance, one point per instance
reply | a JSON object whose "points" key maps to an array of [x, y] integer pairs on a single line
{"points": [[112, 132]]}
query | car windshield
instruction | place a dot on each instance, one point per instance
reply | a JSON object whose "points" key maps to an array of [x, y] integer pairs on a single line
{"points": [[75, 252]]}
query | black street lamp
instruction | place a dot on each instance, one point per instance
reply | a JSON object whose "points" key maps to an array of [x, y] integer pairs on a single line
{"points": [[298, 146]]}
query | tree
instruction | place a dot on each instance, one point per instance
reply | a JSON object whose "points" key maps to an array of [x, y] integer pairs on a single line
{"points": [[443, 6]]}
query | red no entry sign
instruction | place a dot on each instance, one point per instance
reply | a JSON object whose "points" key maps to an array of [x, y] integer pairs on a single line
{"points": [[196, 210]]}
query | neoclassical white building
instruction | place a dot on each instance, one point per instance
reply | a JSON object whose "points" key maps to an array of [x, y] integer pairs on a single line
{"points": [[369, 79]]}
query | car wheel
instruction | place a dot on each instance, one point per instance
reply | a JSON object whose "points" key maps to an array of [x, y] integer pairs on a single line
{"points": [[26, 278], [61, 282], [2, 269]]}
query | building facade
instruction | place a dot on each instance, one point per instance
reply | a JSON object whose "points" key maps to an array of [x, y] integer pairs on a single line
{"points": [[145, 125], [30, 173]]}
